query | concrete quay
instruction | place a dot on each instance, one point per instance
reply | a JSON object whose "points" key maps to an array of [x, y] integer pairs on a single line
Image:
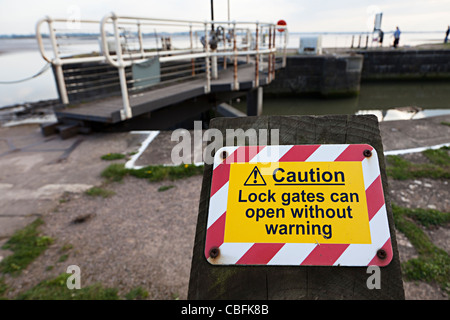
{"points": [[341, 72]]}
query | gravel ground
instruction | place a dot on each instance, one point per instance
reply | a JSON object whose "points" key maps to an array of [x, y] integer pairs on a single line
{"points": [[142, 237], [138, 237], [426, 194]]}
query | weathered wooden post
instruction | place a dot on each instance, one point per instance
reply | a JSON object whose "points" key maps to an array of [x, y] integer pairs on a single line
{"points": [[255, 101], [319, 279]]}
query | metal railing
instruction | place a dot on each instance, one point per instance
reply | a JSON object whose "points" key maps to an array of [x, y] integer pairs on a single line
{"points": [[176, 50], [361, 40]]}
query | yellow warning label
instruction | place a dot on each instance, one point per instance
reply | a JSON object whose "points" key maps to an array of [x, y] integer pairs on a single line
{"points": [[297, 202]]}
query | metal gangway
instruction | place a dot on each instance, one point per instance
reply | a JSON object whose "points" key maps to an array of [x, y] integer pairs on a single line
{"points": [[120, 67]]}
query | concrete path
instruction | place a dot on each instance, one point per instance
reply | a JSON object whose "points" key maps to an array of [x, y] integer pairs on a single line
{"points": [[426, 132], [36, 171]]}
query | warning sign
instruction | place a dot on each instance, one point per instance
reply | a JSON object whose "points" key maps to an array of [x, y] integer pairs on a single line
{"points": [[311, 202], [255, 178], [301, 205]]}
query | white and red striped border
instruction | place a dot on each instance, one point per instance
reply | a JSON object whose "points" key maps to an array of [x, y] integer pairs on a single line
{"points": [[298, 253]]}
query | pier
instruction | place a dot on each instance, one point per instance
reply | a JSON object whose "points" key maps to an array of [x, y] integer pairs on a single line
{"points": [[160, 70]]}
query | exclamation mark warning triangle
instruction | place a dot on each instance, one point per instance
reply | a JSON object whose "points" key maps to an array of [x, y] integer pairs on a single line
{"points": [[255, 178]]}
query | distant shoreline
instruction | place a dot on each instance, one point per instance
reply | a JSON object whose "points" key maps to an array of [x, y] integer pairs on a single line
{"points": [[32, 36]]}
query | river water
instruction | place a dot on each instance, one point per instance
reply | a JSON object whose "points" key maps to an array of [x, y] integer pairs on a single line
{"points": [[19, 58], [388, 100]]}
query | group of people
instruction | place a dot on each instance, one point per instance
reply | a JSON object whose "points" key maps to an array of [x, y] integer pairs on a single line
{"points": [[397, 36]]}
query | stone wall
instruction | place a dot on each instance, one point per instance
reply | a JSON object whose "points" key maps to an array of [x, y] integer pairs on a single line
{"points": [[406, 64], [325, 75]]}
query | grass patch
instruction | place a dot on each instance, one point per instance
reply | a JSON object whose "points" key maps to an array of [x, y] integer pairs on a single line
{"points": [[445, 123], [159, 173], [3, 288], [165, 188], [116, 172], [26, 245], [433, 263], [438, 156], [426, 217], [56, 289], [66, 247], [63, 258], [136, 294], [439, 166], [112, 156], [99, 192]]}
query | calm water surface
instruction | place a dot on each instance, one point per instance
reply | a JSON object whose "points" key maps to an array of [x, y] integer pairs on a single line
{"points": [[417, 99]]}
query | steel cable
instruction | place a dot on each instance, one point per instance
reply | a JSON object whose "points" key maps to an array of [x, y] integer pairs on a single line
{"points": [[44, 69]]}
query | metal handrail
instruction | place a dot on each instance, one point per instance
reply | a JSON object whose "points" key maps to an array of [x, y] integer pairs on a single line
{"points": [[187, 52], [121, 60], [52, 35]]}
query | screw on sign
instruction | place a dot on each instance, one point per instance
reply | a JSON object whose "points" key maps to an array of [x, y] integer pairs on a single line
{"points": [[281, 23]]}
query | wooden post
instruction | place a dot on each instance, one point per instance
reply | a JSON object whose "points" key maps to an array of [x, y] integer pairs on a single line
{"points": [[295, 282], [255, 101]]}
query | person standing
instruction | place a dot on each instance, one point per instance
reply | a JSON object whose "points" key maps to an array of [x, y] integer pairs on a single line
{"points": [[396, 37], [380, 37], [446, 34]]}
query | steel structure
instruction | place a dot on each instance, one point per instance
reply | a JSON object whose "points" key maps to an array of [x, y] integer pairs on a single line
{"points": [[123, 41]]}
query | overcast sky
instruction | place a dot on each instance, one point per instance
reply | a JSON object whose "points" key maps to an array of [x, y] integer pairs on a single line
{"points": [[20, 16]]}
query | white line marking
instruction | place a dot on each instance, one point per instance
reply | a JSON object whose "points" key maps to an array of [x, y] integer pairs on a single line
{"points": [[151, 135]]}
